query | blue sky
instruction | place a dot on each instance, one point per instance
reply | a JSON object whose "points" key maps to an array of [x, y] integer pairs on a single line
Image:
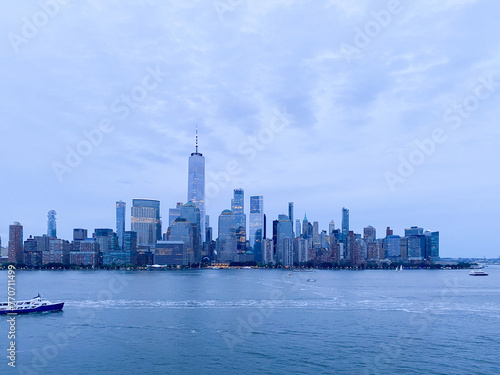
{"points": [[389, 108]]}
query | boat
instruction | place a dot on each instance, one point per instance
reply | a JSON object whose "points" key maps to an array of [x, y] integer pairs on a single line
{"points": [[311, 280], [400, 268], [36, 304], [477, 273]]}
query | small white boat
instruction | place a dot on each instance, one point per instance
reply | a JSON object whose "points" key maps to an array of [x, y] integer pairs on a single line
{"points": [[400, 268], [477, 273]]}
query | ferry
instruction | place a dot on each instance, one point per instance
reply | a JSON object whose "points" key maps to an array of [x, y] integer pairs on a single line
{"points": [[477, 273], [36, 304]]}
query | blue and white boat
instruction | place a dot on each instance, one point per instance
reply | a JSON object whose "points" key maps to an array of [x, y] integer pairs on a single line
{"points": [[36, 304]]}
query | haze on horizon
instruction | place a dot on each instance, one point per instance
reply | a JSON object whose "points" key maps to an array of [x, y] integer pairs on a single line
{"points": [[388, 108]]}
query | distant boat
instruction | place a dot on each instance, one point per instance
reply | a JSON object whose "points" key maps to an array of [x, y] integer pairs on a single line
{"points": [[400, 268], [311, 280], [36, 304], [477, 273]]}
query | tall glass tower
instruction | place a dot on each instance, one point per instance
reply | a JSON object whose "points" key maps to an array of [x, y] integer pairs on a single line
{"points": [[196, 184], [120, 222], [256, 232], [345, 223], [238, 208], [146, 221], [51, 224]]}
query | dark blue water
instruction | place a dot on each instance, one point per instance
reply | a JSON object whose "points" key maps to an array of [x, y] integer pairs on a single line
{"points": [[258, 322]]}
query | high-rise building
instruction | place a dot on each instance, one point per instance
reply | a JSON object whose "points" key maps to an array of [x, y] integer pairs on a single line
{"points": [[240, 219], [284, 241], [345, 222], [389, 232], [306, 233], [16, 243], [107, 240], [434, 250], [316, 237], [290, 213], [79, 234], [267, 251], [331, 227], [392, 244], [32, 256], [120, 222], [171, 253], [226, 241], [181, 230], [191, 213], [51, 224], [130, 245], [174, 213], [369, 234], [414, 231], [298, 228], [146, 221], [256, 232], [416, 247], [196, 184]]}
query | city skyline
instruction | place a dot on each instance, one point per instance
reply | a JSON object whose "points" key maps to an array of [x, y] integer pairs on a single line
{"points": [[358, 108]]}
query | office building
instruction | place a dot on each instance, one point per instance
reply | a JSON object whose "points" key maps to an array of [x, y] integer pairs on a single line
{"points": [[392, 244], [174, 213], [171, 253], [226, 242], [240, 221], [181, 230], [256, 226], [146, 221], [345, 223], [369, 234], [191, 213], [51, 224], [16, 243], [120, 222], [196, 184], [79, 234]]}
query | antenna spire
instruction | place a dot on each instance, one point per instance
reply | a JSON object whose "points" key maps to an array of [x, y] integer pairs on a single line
{"points": [[196, 138]]}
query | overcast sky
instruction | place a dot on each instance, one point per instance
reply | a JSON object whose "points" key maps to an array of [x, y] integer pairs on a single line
{"points": [[388, 108]]}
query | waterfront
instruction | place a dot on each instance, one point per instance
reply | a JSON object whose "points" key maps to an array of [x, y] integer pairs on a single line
{"points": [[256, 321]]}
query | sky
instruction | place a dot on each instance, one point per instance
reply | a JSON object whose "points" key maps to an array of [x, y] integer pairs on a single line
{"points": [[388, 108]]}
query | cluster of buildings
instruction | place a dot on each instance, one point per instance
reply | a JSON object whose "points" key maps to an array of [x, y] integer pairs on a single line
{"points": [[189, 239]]}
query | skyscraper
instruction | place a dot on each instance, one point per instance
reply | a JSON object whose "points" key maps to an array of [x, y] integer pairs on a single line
{"points": [[345, 223], [191, 213], [298, 229], [181, 230], [196, 184], [290, 212], [51, 224], [16, 243], [226, 242], [256, 225], [369, 234], [284, 239], [120, 222], [240, 219], [146, 221], [174, 213]]}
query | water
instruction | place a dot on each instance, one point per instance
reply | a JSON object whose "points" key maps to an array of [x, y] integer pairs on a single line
{"points": [[259, 322]]}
